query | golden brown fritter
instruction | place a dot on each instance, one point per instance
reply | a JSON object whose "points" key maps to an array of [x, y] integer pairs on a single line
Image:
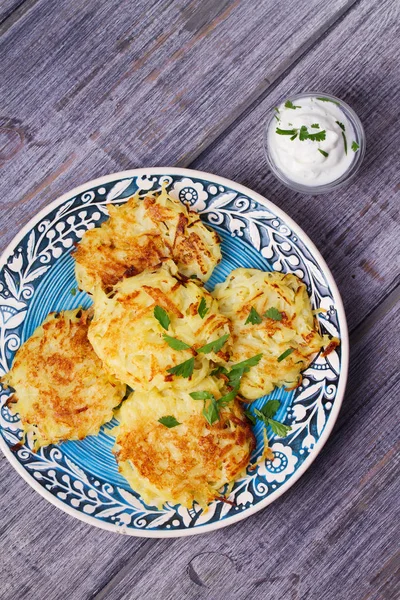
{"points": [[130, 340], [189, 462], [288, 339], [61, 389], [138, 235]]}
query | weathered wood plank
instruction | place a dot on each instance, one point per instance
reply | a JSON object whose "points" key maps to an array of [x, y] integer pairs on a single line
{"points": [[356, 228], [333, 535], [49, 552], [86, 71], [7, 7]]}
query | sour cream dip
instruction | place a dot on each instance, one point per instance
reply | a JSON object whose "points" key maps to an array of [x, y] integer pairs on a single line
{"points": [[311, 140]]}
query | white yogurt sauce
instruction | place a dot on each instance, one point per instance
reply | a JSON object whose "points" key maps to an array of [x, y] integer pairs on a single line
{"points": [[309, 161]]}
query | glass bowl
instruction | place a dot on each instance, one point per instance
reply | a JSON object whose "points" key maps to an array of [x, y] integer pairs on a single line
{"points": [[354, 165]]}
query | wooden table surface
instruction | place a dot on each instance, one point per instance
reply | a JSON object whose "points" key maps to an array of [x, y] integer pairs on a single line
{"points": [[90, 87]]}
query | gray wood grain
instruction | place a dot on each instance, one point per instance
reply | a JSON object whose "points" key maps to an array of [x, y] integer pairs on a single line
{"points": [[356, 228], [93, 89], [7, 7], [143, 90]]}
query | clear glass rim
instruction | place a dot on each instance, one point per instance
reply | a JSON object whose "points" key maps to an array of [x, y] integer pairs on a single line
{"points": [[347, 175]]}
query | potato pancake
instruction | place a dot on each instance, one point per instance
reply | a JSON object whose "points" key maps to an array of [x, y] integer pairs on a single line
{"points": [[61, 389], [151, 323], [138, 235], [186, 463], [280, 326]]}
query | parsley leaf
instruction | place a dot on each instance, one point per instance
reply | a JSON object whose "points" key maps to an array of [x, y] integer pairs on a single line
{"points": [[201, 395], [345, 143], [184, 369], [250, 416], [315, 126], [354, 146], [303, 135], [323, 99], [249, 362], [73, 291], [278, 428], [342, 127], [175, 343], [289, 104], [202, 308], [273, 313], [214, 346], [286, 131], [224, 400], [169, 421], [293, 137], [277, 109], [285, 354], [320, 136], [219, 370], [253, 318], [270, 408], [162, 317], [323, 152], [237, 371], [210, 411]]}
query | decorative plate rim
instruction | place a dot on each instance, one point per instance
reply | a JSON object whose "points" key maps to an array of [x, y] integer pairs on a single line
{"points": [[177, 171]]}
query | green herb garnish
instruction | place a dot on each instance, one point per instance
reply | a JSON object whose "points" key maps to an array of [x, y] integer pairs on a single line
{"points": [[278, 428], [323, 152], [202, 309], [289, 104], [219, 370], [201, 395], [169, 421], [237, 371], [286, 131], [285, 354], [162, 317], [345, 142], [315, 126], [323, 99], [214, 346], [265, 415], [184, 369], [175, 343], [212, 405], [210, 411], [303, 135], [320, 136], [253, 318], [273, 313], [250, 416], [73, 292], [277, 109], [342, 127], [354, 146]]}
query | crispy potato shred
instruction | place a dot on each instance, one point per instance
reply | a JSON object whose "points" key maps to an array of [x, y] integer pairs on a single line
{"points": [[183, 435]]}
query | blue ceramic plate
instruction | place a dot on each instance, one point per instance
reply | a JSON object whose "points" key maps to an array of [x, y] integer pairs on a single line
{"points": [[37, 276]]}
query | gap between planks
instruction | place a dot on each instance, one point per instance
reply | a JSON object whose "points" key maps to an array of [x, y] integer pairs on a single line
{"points": [[19, 11], [267, 86]]}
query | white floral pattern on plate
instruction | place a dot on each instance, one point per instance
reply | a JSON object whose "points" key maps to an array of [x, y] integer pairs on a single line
{"points": [[261, 236]]}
